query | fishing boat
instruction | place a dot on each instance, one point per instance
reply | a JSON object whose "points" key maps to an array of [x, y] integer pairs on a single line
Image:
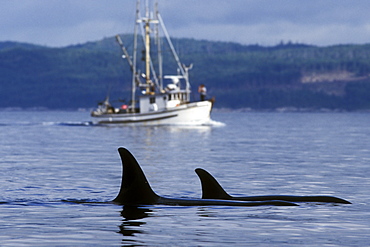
{"points": [[156, 99]]}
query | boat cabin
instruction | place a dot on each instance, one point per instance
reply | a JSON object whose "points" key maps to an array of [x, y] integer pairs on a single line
{"points": [[163, 101]]}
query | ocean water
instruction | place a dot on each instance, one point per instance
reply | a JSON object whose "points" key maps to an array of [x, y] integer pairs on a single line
{"points": [[59, 172]]}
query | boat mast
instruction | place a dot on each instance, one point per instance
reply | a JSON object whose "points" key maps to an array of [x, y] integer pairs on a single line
{"points": [[159, 48], [134, 75], [147, 48], [145, 31], [145, 28]]}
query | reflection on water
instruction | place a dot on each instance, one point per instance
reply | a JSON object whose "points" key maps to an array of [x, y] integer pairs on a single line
{"points": [[134, 213], [130, 226]]}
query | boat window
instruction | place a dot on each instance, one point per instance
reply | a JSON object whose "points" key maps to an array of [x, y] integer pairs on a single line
{"points": [[152, 100]]}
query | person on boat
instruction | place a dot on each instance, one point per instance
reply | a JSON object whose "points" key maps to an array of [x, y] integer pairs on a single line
{"points": [[202, 90]]}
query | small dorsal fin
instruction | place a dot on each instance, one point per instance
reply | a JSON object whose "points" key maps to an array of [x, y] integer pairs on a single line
{"points": [[211, 189], [135, 189]]}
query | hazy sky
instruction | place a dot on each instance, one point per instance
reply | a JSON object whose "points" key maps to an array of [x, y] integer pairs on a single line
{"points": [[264, 22]]}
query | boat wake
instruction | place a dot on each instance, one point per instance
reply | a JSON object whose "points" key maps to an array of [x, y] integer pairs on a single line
{"points": [[85, 123], [22, 124], [214, 123]]}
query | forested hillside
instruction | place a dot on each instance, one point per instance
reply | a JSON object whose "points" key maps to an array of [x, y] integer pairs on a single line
{"points": [[257, 77]]}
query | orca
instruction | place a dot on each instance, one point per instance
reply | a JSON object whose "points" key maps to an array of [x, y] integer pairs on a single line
{"points": [[211, 189], [136, 191]]}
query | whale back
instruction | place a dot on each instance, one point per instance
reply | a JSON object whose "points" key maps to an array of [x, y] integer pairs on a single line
{"points": [[211, 189], [135, 188]]}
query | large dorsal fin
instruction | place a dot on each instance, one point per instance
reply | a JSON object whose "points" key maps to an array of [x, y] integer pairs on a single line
{"points": [[135, 189], [211, 189]]}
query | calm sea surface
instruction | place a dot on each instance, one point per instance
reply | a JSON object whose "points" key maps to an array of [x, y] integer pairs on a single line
{"points": [[55, 167]]}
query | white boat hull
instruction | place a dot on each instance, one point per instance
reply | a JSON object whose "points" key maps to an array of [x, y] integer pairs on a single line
{"points": [[196, 113]]}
